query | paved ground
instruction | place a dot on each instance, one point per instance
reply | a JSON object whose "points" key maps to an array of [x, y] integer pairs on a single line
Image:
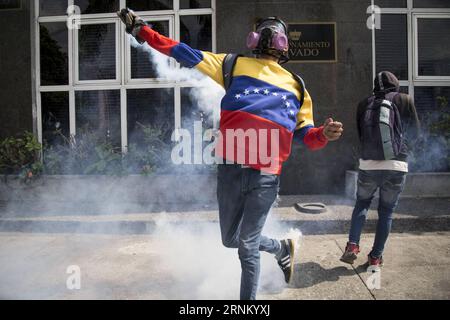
{"points": [[141, 255]]}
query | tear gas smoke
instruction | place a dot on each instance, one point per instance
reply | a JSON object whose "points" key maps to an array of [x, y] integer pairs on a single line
{"points": [[205, 92], [198, 264], [198, 261]]}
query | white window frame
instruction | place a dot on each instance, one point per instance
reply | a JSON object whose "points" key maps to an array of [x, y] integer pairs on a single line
{"points": [[122, 82], [412, 14], [416, 17], [76, 46], [129, 79]]}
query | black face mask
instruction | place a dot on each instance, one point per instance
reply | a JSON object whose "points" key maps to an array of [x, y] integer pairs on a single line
{"points": [[273, 39]]}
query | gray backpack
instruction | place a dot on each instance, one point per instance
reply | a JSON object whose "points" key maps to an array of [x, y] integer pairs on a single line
{"points": [[381, 129]]}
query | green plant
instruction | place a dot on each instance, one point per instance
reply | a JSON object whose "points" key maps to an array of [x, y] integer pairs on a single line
{"points": [[90, 153], [107, 160], [87, 153], [151, 154], [21, 155], [441, 127]]}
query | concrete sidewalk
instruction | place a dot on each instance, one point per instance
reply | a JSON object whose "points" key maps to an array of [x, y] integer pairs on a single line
{"points": [[138, 267], [170, 254], [412, 215]]}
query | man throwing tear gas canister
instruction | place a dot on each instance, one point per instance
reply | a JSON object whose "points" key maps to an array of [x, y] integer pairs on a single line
{"points": [[266, 106]]}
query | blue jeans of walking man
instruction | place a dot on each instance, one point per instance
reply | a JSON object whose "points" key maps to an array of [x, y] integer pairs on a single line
{"points": [[245, 197], [391, 184]]}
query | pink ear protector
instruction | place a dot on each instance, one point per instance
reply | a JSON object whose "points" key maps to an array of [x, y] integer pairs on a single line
{"points": [[279, 40]]}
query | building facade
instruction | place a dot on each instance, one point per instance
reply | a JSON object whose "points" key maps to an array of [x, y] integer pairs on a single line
{"points": [[82, 72]]}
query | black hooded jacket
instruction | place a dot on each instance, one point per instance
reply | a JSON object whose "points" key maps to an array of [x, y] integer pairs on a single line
{"points": [[384, 83]]}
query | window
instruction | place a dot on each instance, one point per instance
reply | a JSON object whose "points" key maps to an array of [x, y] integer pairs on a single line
{"points": [[433, 108], [150, 5], [97, 52], [150, 108], [54, 53], [141, 63], [195, 4], [190, 113], [392, 45], [431, 4], [196, 31], [55, 116], [433, 53], [98, 112], [391, 3], [431, 99], [93, 80], [196, 121], [413, 44], [52, 8], [97, 6]]}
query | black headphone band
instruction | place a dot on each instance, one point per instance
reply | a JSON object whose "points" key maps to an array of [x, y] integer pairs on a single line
{"points": [[273, 19]]}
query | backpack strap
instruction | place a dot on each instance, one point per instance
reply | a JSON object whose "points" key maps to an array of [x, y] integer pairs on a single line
{"points": [[302, 87], [229, 62]]}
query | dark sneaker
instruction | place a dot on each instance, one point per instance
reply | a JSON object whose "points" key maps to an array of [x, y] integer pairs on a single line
{"points": [[374, 263], [351, 253], [286, 259]]}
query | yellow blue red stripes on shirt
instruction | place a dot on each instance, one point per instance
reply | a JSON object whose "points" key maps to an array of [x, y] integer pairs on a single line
{"points": [[264, 100]]}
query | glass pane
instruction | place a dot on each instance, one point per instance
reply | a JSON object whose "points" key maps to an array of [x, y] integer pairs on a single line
{"points": [[190, 113], [391, 3], [97, 52], [53, 53], [55, 117], [98, 112], [142, 66], [194, 4], [432, 152], [97, 6], [196, 31], [434, 52], [391, 43], [148, 5], [431, 99], [150, 108], [431, 4], [193, 120], [52, 7], [151, 122]]}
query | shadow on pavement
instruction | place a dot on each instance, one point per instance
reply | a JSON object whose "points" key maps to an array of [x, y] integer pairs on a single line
{"points": [[310, 274]]}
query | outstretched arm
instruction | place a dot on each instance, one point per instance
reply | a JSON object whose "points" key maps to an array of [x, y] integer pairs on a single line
{"points": [[206, 62], [306, 133]]}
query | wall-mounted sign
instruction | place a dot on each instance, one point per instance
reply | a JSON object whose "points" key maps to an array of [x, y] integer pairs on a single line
{"points": [[312, 42], [10, 4]]}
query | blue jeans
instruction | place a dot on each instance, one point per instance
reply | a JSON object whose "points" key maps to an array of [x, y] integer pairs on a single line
{"points": [[245, 197], [391, 184]]}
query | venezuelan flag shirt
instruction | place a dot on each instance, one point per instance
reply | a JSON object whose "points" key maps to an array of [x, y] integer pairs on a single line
{"points": [[260, 112]]}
